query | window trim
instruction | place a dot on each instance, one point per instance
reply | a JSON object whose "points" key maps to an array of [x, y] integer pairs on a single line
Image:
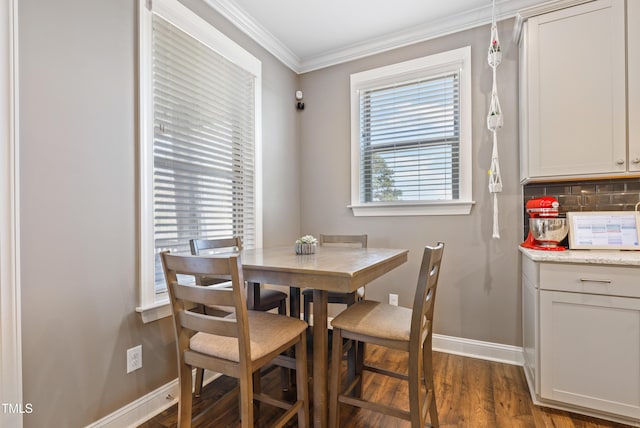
{"points": [[405, 71], [152, 306]]}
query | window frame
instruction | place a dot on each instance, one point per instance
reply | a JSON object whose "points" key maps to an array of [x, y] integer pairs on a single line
{"points": [[425, 67], [151, 305]]}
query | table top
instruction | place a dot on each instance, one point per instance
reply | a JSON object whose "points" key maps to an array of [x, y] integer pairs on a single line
{"points": [[330, 268]]}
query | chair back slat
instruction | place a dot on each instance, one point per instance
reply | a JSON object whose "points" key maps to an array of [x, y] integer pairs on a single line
{"points": [[424, 299], [230, 244], [204, 295], [343, 240], [183, 295], [203, 323], [190, 265]]}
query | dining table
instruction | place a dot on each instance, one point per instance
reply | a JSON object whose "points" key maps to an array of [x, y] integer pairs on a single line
{"points": [[339, 269]]}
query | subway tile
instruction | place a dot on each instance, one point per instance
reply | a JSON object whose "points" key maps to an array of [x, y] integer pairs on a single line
{"points": [[554, 190], [533, 191], [580, 189], [610, 187], [609, 207], [625, 198], [633, 185], [596, 199], [568, 208], [569, 200]]}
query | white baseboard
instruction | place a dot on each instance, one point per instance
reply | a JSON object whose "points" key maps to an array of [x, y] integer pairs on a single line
{"points": [[478, 349], [146, 407]]}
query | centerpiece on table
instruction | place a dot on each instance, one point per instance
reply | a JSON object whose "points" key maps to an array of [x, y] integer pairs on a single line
{"points": [[306, 245]]}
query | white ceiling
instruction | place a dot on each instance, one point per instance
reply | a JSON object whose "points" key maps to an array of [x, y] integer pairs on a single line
{"points": [[311, 34]]}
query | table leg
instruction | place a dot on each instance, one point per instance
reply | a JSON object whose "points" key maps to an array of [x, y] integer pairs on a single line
{"points": [[253, 294], [294, 302], [320, 358]]}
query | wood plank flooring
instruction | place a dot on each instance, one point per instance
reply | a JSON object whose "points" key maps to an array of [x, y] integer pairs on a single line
{"points": [[469, 393]]}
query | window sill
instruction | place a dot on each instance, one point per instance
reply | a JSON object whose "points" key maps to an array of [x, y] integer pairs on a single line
{"points": [[412, 208], [154, 311]]}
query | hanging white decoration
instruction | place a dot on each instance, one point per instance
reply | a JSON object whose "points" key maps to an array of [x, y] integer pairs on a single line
{"points": [[494, 120]]}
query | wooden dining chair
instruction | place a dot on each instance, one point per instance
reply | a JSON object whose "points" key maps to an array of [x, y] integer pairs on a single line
{"points": [[334, 296], [261, 300], [394, 327], [236, 346]]}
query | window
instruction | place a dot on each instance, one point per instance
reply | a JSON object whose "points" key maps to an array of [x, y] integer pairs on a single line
{"points": [[411, 137], [199, 143]]}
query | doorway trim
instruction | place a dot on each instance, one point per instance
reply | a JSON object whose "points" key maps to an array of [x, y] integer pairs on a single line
{"points": [[10, 321]]}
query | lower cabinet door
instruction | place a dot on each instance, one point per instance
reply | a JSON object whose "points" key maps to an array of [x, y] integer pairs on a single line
{"points": [[590, 351]]}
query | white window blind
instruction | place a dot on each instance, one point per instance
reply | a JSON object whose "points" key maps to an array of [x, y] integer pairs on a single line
{"points": [[409, 141], [411, 150], [203, 144]]}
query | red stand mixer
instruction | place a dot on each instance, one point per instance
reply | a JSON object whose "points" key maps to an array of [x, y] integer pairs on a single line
{"points": [[546, 228]]}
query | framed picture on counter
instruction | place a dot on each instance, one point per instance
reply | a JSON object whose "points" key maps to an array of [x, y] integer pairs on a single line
{"points": [[604, 230]]}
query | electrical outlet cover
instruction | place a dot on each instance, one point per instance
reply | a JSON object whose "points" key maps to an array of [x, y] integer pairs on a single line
{"points": [[134, 358], [393, 299]]}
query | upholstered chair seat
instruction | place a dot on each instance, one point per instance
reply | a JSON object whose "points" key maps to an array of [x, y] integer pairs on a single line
{"points": [[268, 331], [397, 325]]}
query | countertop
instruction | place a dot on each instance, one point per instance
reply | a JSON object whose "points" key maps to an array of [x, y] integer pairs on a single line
{"points": [[602, 257]]}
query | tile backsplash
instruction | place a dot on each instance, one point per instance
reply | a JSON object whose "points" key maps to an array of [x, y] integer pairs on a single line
{"points": [[586, 195]]}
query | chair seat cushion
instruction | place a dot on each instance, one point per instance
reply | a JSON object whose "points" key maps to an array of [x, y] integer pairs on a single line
{"points": [[267, 332], [269, 297], [376, 319]]}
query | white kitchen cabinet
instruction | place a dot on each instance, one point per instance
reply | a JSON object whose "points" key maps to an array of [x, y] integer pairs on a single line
{"points": [[590, 351], [581, 331], [573, 91], [633, 65]]}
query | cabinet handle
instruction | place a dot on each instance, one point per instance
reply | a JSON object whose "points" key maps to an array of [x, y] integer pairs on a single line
{"points": [[602, 281], [636, 160], [620, 161]]}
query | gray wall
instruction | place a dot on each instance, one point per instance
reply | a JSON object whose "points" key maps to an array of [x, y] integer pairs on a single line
{"points": [[79, 232], [479, 295]]}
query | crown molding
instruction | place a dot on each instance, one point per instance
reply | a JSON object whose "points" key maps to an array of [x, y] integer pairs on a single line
{"points": [[427, 30], [252, 28], [387, 42]]}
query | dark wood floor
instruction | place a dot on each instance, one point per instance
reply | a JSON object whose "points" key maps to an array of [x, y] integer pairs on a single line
{"points": [[469, 393]]}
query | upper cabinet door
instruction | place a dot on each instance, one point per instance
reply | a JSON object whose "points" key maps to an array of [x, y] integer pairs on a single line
{"points": [[633, 59], [576, 107]]}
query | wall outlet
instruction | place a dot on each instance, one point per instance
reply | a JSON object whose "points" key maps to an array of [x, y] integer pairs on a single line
{"points": [[134, 358], [393, 299]]}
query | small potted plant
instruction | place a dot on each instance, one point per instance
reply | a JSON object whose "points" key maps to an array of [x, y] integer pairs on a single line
{"points": [[494, 120], [306, 245], [494, 56]]}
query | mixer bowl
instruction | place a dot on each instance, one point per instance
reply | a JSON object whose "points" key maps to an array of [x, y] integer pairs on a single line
{"points": [[548, 231]]}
